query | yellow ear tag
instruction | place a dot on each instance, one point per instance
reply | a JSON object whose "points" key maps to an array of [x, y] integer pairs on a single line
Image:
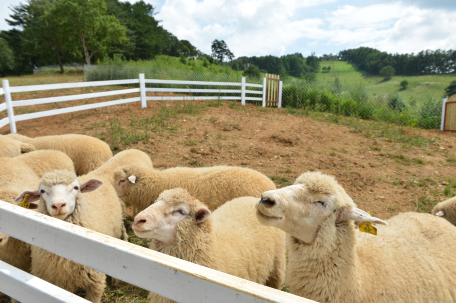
{"points": [[367, 227], [25, 203]]}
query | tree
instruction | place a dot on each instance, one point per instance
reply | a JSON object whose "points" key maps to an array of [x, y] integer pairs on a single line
{"points": [[404, 84], [451, 89], [6, 57], [220, 50], [86, 26], [313, 62], [252, 71], [387, 72]]}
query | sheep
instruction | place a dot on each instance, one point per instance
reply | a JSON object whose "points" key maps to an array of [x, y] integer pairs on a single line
{"points": [[43, 161], [411, 260], [15, 176], [12, 148], [87, 153], [212, 185], [64, 196], [229, 240], [446, 209]]}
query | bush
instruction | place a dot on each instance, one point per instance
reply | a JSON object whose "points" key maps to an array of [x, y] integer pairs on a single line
{"points": [[451, 89], [430, 113], [205, 63], [393, 102], [183, 60], [387, 72], [404, 84], [252, 71]]}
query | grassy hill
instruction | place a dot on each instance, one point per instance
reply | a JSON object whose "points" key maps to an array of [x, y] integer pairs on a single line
{"points": [[433, 85]]}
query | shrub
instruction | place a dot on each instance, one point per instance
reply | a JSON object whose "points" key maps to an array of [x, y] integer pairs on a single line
{"points": [[404, 84], [387, 72], [252, 71]]}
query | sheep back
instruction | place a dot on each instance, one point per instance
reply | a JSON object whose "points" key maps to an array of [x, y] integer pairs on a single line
{"points": [[43, 161], [87, 153], [211, 185], [10, 147]]}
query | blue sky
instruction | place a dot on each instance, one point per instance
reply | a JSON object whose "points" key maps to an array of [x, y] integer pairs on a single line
{"points": [[280, 27]]}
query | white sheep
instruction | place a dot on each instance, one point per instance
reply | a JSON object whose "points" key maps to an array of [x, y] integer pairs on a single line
{"points": [[87, 153], [140, 186], [64, 196], [12, 148], [43, 161], [229, 240], [411, 260], [446, 209]]}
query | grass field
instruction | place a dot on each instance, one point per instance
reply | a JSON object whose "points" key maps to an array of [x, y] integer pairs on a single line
{"points": [[433, 85]]}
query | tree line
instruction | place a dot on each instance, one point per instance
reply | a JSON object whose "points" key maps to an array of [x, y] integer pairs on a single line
{"points": [[289, 65], [425, 62], [49, 32]]}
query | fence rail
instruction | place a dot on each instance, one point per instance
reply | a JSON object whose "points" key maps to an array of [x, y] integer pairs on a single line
{"points": [[241, 94], [167, 276]]}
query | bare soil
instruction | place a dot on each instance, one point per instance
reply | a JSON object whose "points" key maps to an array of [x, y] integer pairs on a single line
{"points": [[383, 177]]}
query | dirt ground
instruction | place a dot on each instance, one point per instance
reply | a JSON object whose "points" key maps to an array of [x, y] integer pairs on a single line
{"points": [[385, 169]]}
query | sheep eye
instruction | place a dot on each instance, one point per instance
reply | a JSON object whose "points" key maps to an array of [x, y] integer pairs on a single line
{"points": [[322, 203], [182, 212], [42, 191], [122, 180], [76, 187]]}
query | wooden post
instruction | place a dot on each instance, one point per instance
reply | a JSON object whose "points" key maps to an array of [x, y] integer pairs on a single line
{"points": [[142, 88], [9, 106], [243, 91], [279, 105], [264, 92], [442, 122]]}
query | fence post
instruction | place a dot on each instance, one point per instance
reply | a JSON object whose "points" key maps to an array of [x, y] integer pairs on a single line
{"points": [[243, 91], [339, 99], [142, 88], [9, 106], [397, 101], [264, 92], [111, 72], [128, 72], [442, 122], [279, 105]]}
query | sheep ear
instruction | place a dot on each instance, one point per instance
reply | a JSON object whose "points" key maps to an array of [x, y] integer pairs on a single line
{"points": [[91, 185], [202, 214], [132, 179], [357, 214], [440, 213], [34, 195]]}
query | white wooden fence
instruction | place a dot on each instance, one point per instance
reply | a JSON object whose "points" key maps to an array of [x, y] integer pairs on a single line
{"points": [[9, 105], [170, 277]]}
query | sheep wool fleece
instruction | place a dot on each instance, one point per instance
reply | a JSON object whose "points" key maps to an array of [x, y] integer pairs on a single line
{"points": [[94, 210], [231, 240]]}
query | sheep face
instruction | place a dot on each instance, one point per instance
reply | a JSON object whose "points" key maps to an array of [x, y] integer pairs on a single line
{"points": [[300, 209], [121, 179], [174, 210], [60, 199]]}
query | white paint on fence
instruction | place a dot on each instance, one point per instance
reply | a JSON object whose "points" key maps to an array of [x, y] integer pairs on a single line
{"points": [[280, 94], [33, 88], [442, 121], [74, 97], [9, 104], [167, 276], [142, 87], [264, 92], [27, 288]]}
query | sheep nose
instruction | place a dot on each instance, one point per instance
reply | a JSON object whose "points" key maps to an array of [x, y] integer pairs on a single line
{"points": [[268, 202], [139, 221], [58, 206]]}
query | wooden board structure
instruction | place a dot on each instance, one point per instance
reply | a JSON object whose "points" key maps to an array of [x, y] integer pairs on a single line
{"points": [[272, 89], [450, 114]]}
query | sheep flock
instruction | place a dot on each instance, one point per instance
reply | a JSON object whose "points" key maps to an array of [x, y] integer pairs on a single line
{"points": [[303, 237]]}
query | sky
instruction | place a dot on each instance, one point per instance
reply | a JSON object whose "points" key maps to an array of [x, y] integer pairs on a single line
{"points": [[281, 27]]}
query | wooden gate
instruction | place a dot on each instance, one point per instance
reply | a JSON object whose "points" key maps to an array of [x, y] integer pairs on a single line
{"points": [[449, 123], [272, 89]]}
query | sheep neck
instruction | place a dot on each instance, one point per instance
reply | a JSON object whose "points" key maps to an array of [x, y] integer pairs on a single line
{"points": [[325, 270], [195, 245]]}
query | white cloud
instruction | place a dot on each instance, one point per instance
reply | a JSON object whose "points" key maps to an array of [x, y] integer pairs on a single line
{"points": [[5, 12], [252, 27]]}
